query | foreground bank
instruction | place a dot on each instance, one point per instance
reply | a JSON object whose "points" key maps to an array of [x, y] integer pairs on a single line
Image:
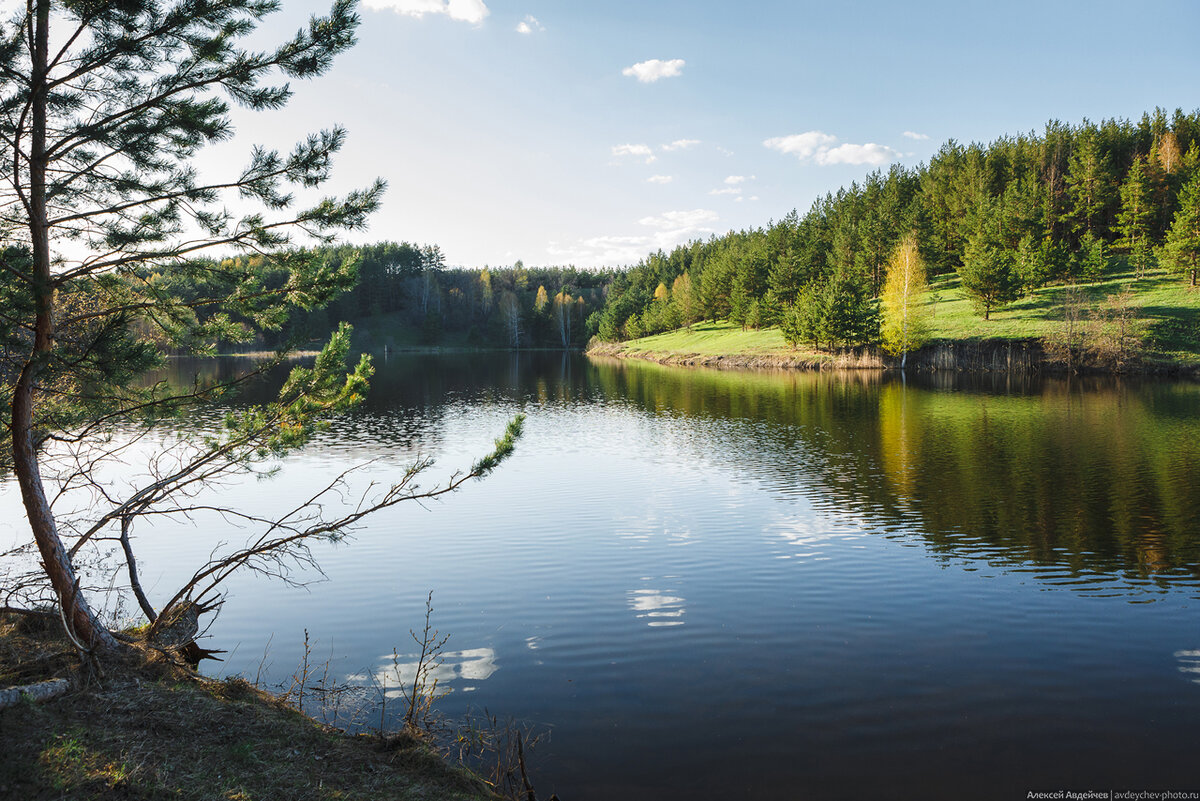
{"points": [[151, 732]]}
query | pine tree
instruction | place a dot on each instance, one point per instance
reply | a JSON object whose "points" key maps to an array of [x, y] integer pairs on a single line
{"points": [[1090, 184], [1037, 262], [804, 320], [1181, 250], [102, 108], [1137, 212], [716, 284], [849, 315], [1090, 259], [783, 277], [987, 274]]}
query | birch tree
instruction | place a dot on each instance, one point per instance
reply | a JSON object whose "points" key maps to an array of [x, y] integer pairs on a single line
{"points": [[510, 318], [905, 324], [563, 306]]}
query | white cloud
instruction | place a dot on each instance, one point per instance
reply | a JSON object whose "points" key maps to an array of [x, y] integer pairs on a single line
{"points": [[728, 190], [472, 11], [733, 180], [675, 220], [820, 147], [677, 227], [529, 25], [803, 145], [870, 153], [660, 179], [598, 251], [681, 144], [914, 135], [641, 151], [672, 228], [632, 150], [650, 71]]}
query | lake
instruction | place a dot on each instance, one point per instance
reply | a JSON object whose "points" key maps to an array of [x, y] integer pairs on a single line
{"points": [[715, 585]]}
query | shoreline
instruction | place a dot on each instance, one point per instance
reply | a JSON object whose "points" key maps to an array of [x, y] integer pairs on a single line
{"points": [[801, 360], [977, 356], [418, 350]]}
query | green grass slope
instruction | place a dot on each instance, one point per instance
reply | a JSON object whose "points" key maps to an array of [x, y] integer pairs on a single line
{"points": [[1167, 308]]}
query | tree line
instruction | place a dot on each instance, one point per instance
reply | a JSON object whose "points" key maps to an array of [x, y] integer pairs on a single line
{"points": [[1007, 218], [406, 285], [404, 288]]}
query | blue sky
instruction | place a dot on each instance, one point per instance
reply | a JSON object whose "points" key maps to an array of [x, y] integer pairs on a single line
{"points": [[592, 133]]}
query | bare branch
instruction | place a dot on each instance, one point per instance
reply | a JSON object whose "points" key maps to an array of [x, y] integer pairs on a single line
{"points": [[131, 565], [268, 553]]}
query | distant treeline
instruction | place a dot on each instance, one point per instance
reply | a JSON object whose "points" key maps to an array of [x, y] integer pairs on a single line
{"points": [[405, 293], [1007, 217], [513, 306]]}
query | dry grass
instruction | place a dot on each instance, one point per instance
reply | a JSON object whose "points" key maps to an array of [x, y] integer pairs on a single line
{"points": [[31, 650], [151, 732]]}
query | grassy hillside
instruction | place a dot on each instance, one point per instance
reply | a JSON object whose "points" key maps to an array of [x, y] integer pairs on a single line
{"points": [[1167, 310]]}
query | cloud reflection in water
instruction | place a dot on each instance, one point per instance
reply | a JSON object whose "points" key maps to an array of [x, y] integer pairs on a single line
{"points": [[474, 664], [660, 609], [1189, 662]]}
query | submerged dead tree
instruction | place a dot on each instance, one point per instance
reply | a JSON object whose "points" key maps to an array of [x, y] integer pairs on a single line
{"points": [[116, 248]]}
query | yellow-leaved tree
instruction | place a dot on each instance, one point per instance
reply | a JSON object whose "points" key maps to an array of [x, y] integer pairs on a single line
{"points": [[905, 317], [684, 299]]}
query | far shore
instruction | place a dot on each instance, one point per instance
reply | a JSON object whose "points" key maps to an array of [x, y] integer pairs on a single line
{"points": [[701, 348], [724, 346], [388, 350]]}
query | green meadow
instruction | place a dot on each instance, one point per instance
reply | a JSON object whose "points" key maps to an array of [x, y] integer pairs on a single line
{"points": [[1165, 307]]}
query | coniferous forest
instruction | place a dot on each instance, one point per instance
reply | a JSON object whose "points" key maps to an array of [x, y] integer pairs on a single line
{"points": [[1004, 219], [1007, 217]]}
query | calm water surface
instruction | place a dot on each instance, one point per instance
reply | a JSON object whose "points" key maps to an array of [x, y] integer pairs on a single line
{"points": [[715, 585]]}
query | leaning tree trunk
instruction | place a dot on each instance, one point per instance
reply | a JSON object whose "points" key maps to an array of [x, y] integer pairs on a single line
{"points": [[78, 616], [81, 622]]}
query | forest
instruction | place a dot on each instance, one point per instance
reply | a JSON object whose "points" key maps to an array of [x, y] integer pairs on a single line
{"points": [[1007, 218], [405, 295]]}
